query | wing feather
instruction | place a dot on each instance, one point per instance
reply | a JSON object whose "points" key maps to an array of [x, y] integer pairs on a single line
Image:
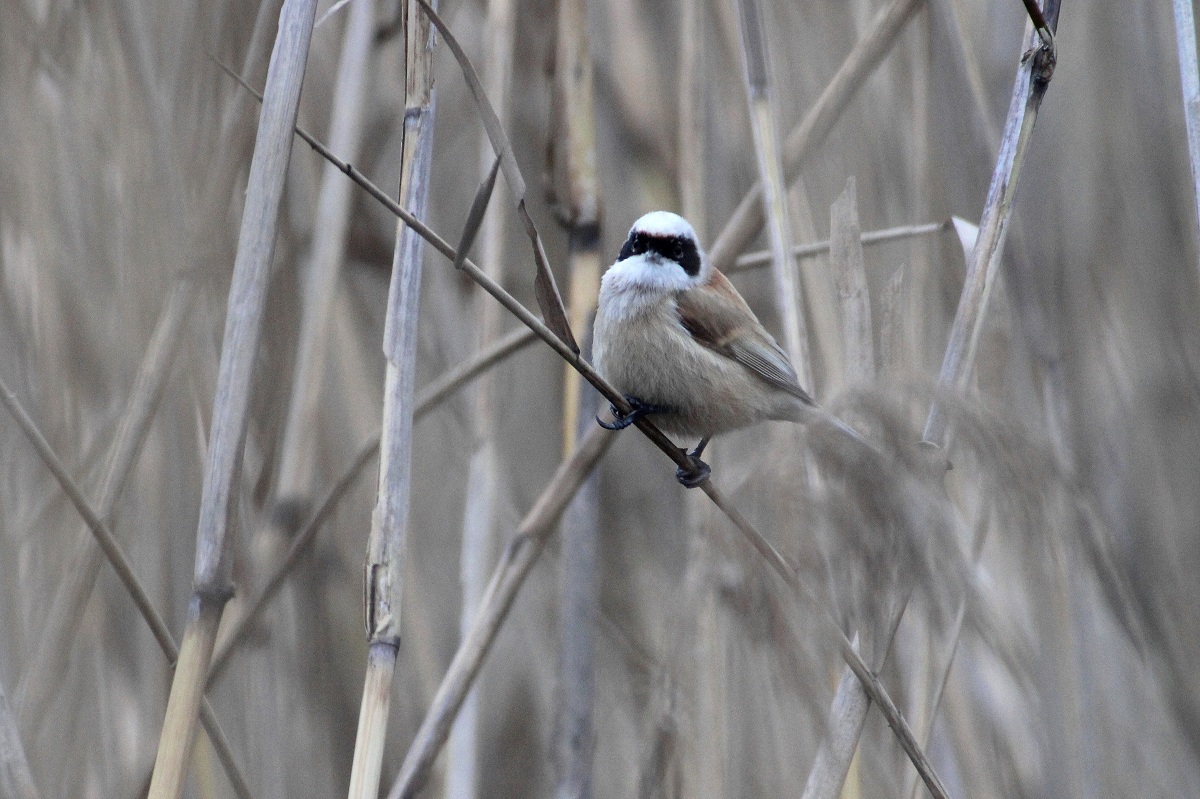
{"points": [[717, 319]]}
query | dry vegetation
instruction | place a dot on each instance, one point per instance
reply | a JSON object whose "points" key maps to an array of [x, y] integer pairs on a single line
{"points": [[1031, 611]]}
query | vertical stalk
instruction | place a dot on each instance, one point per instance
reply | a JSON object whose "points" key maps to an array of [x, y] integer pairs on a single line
{"points": [[322, 276], [693, 134], [1189, 78], [384, 570], [212, 581], [577, 190], [478, 524], [849, 272], [775, 196], [1033, 78]]}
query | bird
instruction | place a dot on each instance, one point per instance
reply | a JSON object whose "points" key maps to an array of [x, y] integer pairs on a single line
{"points": [[682, 346]]}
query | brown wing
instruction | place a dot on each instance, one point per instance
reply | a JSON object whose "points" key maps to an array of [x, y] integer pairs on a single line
{"points": [[720, 319]]}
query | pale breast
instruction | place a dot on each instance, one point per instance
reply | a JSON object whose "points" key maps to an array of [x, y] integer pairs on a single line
{"points": [[642, 349]]}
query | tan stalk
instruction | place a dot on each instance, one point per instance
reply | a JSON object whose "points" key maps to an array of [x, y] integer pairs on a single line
{"points": [[848, 712], [1033, 77], [426, 746], [212, 582], [804, 139], [384, 571], [693, 135], [575, 183], [576, 190], [847, 717], [322, 274], [890, 331], [850, 274], [759, 93], [478, 524]]}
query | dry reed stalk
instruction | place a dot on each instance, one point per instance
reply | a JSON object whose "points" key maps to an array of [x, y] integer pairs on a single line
{"points": [[478, 514], [247, 296], [515, 562], [693, 138], [861, 62], [850, 274], [42, 676], [847, 717], [124, 569], [1033, 78], [577, 194], [478, 524], [16, 780], [753, 260], [322, 276], [1189, 78], [575, 187], [386, 546], [785, 270], [890, 328]]}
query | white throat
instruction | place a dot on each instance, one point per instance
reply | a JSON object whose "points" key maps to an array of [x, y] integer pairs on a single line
{"points": [[640, 283]]}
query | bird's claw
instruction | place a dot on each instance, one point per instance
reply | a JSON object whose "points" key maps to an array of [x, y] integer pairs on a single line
{"points": [[697, 471], [622, 420], [695, 475]]}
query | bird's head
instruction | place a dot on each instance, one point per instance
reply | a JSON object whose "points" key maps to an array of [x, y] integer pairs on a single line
{"points": [[660, 254]]}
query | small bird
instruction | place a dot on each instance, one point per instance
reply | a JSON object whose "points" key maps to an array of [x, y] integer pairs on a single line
{"points": [[676, 338]]}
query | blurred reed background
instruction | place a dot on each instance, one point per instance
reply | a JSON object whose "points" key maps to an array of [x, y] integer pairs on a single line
{"points": [[1031, 611]]}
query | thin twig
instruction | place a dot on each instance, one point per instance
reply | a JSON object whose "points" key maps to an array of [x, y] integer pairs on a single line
{"points": [[752, 260]]}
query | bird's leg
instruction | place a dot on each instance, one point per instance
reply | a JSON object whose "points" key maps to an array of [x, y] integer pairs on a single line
{"points": [[621, 420], [699, 470]]}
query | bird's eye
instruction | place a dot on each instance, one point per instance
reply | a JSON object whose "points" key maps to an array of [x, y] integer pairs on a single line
{"points": [[639, 244], [677, 250]]}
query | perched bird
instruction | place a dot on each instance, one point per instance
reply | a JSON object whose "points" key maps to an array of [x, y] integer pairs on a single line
{"points": [[674, 336]]}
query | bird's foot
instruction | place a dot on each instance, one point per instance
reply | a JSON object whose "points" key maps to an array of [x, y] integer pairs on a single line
{"points": [[697, 471], [622, 420]]}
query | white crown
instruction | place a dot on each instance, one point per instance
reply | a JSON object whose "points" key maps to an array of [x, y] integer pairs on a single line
{"points": [[664, 223]]}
